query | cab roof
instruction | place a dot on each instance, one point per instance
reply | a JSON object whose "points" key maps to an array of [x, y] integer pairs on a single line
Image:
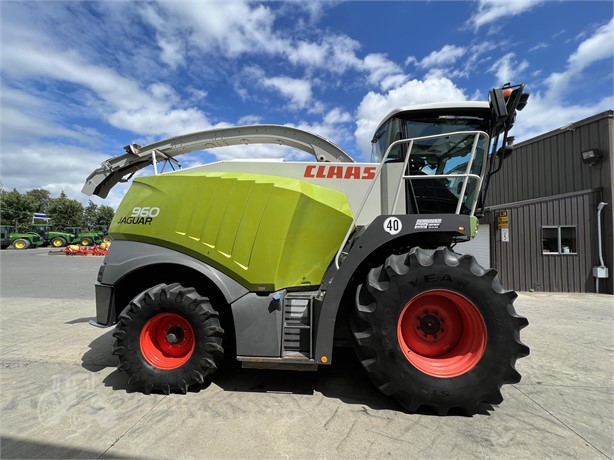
{"points": [[439, 106]]}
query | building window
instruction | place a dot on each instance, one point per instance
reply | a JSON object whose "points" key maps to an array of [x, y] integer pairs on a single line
{"points": [[559, 240]]}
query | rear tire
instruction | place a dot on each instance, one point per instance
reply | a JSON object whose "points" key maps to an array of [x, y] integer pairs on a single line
{"points": [[434, 329], [21, 243], [168, 338], [58, 242]]}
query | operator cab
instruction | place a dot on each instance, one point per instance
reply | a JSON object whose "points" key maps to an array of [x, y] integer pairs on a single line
{"points": [[447, 158]]}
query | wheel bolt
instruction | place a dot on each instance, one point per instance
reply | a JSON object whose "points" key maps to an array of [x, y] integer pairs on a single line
{"points": [[171, 338]]}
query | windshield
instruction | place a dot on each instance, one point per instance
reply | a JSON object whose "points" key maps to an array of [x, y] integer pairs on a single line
{"points": [[398, 128], [447, 155]]}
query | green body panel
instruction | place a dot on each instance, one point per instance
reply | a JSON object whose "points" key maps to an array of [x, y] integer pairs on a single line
{"points": [[474, 226], [32, 237], [95, 236], [47, 234], [266, 232], [70, 238]]}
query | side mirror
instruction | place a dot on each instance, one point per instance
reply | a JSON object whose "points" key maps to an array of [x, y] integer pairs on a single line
{"points": [[498, 104], [505, 102]]}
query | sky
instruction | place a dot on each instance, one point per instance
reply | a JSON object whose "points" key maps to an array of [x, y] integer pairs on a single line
{"points": [[80, 80]]}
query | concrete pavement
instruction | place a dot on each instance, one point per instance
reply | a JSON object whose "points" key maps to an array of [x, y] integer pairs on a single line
{"points": [[62, 397]]}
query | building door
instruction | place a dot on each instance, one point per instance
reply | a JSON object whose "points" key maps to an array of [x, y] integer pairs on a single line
{"points": [[478, 247]]}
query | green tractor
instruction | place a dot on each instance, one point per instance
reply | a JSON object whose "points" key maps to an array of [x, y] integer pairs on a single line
{"points": [[54, 238], [90, 237], [274, 263], [19, 240]]}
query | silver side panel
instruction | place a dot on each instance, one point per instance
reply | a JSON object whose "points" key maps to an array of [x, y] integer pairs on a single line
{"points": [[125, 257]]}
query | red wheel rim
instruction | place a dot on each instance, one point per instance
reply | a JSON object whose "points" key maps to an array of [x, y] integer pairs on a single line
{"points": [[167, 341], [442, 333]]}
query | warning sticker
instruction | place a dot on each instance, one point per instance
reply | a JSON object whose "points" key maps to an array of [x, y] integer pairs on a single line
{"points": [[427, 223]]}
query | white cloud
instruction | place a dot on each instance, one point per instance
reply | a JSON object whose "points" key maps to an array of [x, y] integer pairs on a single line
{"points": [[547, 109], [491, 11], [297, 91], [507, 69], [249, 120], [597, 47], [172, 47], [341, 53], [382, 71], [447, 60], [122, 101], [53, 166], [196, 94], [374, 106], [308, 54], [171, 52], [539, 46], [336, 116], [335, 127], [161, 121], [24, 116], [542, 114], [232, 28], [444, 57]]}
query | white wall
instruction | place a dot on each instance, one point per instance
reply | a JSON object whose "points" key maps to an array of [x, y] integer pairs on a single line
{"points": [[479, 247]]}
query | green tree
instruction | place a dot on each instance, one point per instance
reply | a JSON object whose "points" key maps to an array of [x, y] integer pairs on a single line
{"points": [[90, 215], [40, 197], [16, 210], [104, 216], [65, 212]]}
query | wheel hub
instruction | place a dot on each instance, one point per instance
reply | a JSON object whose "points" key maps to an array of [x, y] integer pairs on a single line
{"points": [[167, 341], [442, 333], [430, 325], [174, 335]]}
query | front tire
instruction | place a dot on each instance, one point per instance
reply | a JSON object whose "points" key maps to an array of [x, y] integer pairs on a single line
{"points": [[21, 243], [58, 242], [87, 242], [168, 338], [433, 328]]}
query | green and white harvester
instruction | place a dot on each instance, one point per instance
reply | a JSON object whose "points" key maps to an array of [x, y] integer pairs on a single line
{"points": [[275, 262]]}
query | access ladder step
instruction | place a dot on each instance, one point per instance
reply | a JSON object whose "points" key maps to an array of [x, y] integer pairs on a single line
{"points": [[297, 335]]}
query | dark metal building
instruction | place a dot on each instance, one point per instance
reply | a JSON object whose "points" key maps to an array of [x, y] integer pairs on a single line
{"points": [[542, 210]]}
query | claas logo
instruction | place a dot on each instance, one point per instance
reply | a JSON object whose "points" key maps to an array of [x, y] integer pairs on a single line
{"points": [[339, 172]]}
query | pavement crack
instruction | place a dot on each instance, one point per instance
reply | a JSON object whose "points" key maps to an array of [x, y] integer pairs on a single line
{"points": [[562, 423], [331, 418], [131, 426], [346, 435]]}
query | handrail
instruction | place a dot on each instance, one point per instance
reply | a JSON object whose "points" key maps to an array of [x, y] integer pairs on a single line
{"points": [[467, 175]]}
